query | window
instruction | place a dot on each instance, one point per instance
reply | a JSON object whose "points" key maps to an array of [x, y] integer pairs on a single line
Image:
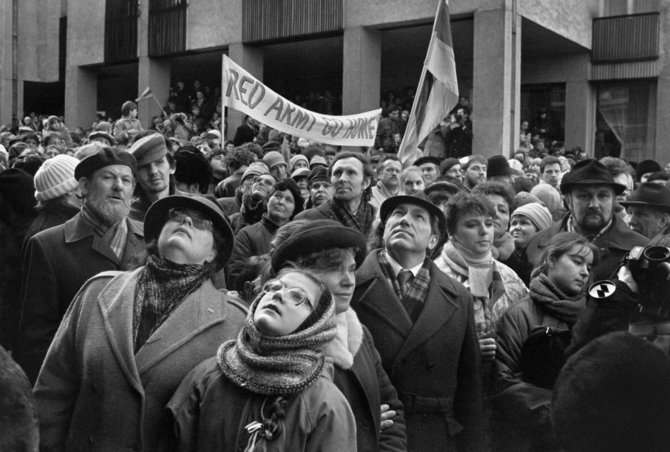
{"points": [[626, 119]]}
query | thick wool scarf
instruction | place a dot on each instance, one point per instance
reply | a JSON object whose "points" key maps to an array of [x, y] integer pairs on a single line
{"points": [[113, 235], [361, 219], [480, 271], [554, 302], [276, 365], [348, 339], [414, 299], [161, 286]]}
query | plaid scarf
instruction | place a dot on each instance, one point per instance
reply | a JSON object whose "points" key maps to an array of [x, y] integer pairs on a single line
{"points": [[115, 235], [361, 219], [161, 286], [416, 294], [277, 365], [557, 304]]}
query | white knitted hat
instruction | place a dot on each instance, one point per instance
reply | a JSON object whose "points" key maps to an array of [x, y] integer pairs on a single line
{"points": [[55, 177]]}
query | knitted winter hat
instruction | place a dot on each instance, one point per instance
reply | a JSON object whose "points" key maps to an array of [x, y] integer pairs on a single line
{"points": [[55, 177], [297, 158], [255, 169], [318, 160], [273, 158], [17, 189], [536, 213], [548, 195]]}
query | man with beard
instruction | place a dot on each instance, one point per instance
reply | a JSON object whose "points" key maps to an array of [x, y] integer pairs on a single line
{"points": [[59, 260], [474, 171], [154, 167], [388, 182], [589, 192], [350, 175]]}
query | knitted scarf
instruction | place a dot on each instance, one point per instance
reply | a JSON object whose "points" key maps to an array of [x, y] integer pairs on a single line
{"points": [[554, 302], [113, 235], [413, 300], [480, 271], [161, 286], [276, 365], [361, 219]]}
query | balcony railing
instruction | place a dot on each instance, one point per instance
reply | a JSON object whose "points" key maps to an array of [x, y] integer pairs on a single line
{"points": [[121, 30], [624, 39], [275, 20], [167, 27]]}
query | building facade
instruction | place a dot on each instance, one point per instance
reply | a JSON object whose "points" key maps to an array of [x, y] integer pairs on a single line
{"points": [[598, 66]]}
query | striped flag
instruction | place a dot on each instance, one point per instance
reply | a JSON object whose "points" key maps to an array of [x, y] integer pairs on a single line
{"points": [[437, 92], [145, 94]]}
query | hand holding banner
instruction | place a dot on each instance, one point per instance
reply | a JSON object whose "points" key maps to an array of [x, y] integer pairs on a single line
{"points": [[243, 92]]}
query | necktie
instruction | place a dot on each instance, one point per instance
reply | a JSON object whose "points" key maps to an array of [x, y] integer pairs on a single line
{"points": [[405, 278]]}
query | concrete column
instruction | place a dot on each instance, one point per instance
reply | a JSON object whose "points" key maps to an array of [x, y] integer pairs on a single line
{"points": [[251, 59], [361, 70], [496, 81], [662, 145], [81, 97], [155, 74], [579, 115], [6, 86]]}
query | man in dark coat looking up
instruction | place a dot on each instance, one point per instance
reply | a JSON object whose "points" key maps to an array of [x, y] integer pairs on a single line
{"points": [[422, 323], [59, 260], [589, 192]]}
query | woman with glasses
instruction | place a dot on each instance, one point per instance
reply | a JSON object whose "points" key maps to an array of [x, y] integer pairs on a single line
{"points": [[271, 388], [129, 338]]}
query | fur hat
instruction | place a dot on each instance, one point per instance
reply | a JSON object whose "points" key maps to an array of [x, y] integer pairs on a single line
{"points": [[536, 213], [55, 177], [255, 169], [273, 158], [497, 166], [17, 189]]}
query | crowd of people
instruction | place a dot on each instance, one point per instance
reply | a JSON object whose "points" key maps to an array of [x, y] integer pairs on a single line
{"points": [[161, 289]]}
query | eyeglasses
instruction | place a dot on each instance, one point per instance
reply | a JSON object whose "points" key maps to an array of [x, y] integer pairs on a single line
{"points": [[296, 295], [199, 220]]}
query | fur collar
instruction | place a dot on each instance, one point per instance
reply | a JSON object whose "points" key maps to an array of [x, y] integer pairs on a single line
{"points": [[348, 338]]}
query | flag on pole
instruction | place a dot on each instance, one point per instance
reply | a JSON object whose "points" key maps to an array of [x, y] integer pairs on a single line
{"points": [[437, 92], [145, 94]]}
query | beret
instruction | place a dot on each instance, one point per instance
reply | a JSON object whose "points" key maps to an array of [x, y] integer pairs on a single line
{"points": [[106, 156]]}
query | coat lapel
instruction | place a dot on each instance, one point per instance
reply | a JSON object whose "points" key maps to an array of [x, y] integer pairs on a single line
{"points": [[378, 296], [116, 304], [199, 311], [438, 308]]}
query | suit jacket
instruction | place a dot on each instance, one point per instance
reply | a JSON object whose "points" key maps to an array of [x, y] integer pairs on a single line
{"points": [[613, 245], [56, 263], [434, 363], [95, 394]]}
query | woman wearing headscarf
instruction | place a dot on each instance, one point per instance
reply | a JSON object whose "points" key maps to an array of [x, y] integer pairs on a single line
{"points": [[527, 220], [270, 389], [129, 338], [526, 368]]}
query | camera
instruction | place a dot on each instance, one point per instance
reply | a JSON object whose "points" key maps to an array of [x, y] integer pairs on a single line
{"points": [[650, 267]]}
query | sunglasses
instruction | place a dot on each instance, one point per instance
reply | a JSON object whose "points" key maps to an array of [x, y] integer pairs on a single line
{"points": [[199, 220], [295, 295]]}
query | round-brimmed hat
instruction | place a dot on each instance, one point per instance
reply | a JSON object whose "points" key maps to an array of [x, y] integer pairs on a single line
{"points": [[102, 134], [298, 157], [589, 172], [427, 159], [157, 216], [317, 236], [498, 165], [419, 199], [649, 194], [105, 156], [318, 160]]}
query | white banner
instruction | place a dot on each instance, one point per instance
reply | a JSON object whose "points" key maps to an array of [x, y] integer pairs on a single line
{"points": [[243, 92]]}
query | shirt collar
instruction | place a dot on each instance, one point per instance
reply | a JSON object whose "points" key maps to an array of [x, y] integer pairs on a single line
{"points": [[396, 267]]}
